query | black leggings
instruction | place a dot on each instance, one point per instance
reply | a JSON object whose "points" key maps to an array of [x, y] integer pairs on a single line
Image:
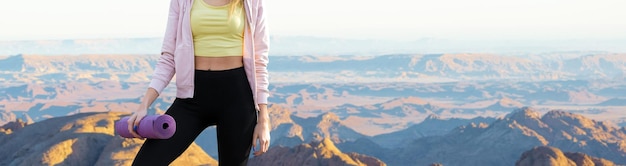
{"points": [[221, 98]]}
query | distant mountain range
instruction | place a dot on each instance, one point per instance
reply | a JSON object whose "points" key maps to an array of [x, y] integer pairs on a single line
{"points": [[426, 68], [454, 67], [307, 45]]}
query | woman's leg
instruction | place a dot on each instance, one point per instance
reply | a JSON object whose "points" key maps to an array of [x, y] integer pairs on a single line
{"points": [[236, 122], [189, 124], [234, 137]]}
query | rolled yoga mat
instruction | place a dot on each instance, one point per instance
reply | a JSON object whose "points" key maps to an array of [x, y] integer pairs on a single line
{"points": [[151, 126]]}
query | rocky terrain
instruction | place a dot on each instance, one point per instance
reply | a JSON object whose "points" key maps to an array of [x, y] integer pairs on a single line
{"points": [[13, 126], [503, 141], [81, 139], [550, 156], [431, 126], [322, 152], [87, 138]]}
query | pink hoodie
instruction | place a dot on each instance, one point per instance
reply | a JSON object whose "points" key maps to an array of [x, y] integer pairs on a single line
{"points": [[177, 55]]}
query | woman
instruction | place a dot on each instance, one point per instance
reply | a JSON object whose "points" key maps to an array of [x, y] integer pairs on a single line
{"points": [[218, 50]]}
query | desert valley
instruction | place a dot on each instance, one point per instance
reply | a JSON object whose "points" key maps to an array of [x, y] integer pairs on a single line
{"points": [[397, 109]]}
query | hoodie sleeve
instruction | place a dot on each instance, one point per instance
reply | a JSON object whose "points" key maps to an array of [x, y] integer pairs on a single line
{"points": [[261, 46], [164, 70]]}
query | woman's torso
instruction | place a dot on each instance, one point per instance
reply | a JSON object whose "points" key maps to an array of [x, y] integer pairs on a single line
{"points": [[217, 62]]}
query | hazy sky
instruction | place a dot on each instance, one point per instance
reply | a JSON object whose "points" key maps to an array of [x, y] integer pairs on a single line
{"points": [[360, 19]]}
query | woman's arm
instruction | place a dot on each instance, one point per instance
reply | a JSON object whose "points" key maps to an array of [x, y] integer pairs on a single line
{"points": [[164, 70], [261, 46]]}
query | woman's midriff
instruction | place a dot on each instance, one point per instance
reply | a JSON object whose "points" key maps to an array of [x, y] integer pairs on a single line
{"points": [[218, 63]]}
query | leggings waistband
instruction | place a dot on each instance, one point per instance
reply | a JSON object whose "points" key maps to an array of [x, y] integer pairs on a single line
{"points": [[221, 73]]}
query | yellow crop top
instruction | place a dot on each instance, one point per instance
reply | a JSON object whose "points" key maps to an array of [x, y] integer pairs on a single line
{"points": [[214, 35]]}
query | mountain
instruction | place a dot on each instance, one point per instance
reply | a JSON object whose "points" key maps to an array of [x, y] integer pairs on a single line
{"points": [[607, 65], [81, 139], [504, 140], [402, 112], [290, 130], [387, 116], [326, 125], [504, 104], [76, 63], [551, 156], [363, 145], [431, 126], [613, 102], [382, 68], [584, 159], [13, 126], [285, 131], [458, 67], [544, 155], [322, 152], [24, 68]]}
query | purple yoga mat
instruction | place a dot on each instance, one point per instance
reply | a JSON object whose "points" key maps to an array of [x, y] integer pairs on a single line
{"points": [[151, 126]]}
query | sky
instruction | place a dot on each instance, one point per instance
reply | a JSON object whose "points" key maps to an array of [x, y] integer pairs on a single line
{"points": [[353, 19]]}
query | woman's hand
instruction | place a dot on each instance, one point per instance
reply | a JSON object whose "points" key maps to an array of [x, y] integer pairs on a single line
{"points": [[133, 121], [261, 131], [262, 134]]}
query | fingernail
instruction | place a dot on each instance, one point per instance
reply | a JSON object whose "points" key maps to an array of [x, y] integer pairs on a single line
{"points": [[134, 128]]}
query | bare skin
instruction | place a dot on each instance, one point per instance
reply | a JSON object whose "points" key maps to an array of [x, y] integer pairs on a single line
{"points": [[261, 134]]}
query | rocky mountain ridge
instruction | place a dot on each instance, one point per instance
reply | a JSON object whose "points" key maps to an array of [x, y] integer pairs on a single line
{"points": [[322, 152], [431, 126], [550, 156], [499, 142], [503, 141], [13, 126], [81, 139]]}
